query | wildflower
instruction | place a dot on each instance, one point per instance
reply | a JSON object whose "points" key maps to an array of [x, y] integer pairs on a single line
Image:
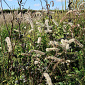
{"points": [[54, 58], [64, 41], [31, 23], [38, 55], [56, 43], [48, 79], [51, 49], [48, 31], [8, 44], [47, 25], [68, 62], [16, 30], [27, 67], [69, 12], [26, 54], [64, 28], [31, 30], [71, 40], [69, 75], [39, 40], [39, 28], [29, 19], [38, 52], [53, 43], [37, 22], [46, 22], [78, 25], [41, 24], [36, 62], [55, 22], [38, 59], [25, 27], [65, 44]]}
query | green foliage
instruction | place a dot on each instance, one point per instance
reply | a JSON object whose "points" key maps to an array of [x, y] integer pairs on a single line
{"points": [[25, 66]]}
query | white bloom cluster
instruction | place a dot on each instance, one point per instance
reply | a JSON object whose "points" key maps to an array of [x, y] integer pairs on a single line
{"points": [[44, 25], [25, 27], [50, 49], [54, 58], [47, 25], [8, 44], [39, 40], [48, 31], [48, 79], [29, 19], [40, 30], [46, 22], [64, 28], [53, 43], [65, 43], [36, 62], [16, 30], [69, 12], [71, 40], [78, 25], [38, 52], [40, 24]]}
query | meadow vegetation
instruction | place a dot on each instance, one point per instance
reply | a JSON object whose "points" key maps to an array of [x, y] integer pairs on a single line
{"points": [[42, 50]]}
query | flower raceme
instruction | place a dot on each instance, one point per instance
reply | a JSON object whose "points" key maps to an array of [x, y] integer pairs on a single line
{"points": [[56, 23], [8, 44], [53, 43], [51, 49], [65, 43], [39, 40], [48, 79]]}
